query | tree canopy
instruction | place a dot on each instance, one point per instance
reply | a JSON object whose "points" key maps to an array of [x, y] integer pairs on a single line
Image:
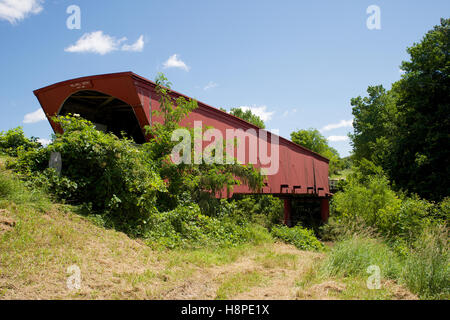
{"points": [[406, 130], [313, 140], [248, 116]]}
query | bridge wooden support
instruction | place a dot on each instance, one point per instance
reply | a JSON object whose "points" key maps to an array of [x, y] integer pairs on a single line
{"points": [[325, 209], [287, 211]]}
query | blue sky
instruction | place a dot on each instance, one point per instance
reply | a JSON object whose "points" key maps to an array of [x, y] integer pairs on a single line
{"points": [[296, 63]]}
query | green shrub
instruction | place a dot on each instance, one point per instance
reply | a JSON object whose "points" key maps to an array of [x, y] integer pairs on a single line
{"points": [[353, 256], [443, 212], [413, 216], [300, 237], [265, 210], [187, 226], [373, 204], [366, 201], [426, 270], [14, 139], [110, 175]]}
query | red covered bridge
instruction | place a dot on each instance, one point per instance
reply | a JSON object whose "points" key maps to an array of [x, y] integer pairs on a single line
{"points": [[124, 102]]}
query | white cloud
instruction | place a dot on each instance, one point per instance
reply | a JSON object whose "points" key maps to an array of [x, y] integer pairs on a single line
{"points": [[138, 46], [95, 42], [259, 111], [44, 142], [337, 138], [174, 62], [210, 85], [342, 124], [288, 112], [35, 116], [17, 10]]}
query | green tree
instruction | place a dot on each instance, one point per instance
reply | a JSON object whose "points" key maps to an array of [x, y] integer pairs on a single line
{"points": [[406, 130], [202, 181], [421, 147], [313, 140], [14, 140], [374, 125], [248, 116]]}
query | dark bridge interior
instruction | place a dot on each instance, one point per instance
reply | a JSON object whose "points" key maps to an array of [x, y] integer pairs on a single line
{"points": [[106, 112]]}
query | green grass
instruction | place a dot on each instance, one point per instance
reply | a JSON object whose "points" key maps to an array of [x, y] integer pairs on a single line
{"points": [[353, 256], [238, 283], [12, 190], [356, 288], [136, 278], [424, 270], [204, 257], [427, 268]]}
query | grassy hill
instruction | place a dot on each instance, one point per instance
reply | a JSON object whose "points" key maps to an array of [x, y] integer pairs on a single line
{"points": [[40, 240]]}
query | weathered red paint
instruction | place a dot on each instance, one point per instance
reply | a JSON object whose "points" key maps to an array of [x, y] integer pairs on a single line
{"points": [[324, 209], [301, 171]]}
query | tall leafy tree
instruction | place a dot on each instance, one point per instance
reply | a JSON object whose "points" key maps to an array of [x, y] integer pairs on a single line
{"points": [[313, 140], [374, 125], [422, 146], [406, 130]]}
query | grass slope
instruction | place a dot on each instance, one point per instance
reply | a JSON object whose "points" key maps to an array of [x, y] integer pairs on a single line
{"points": [[40, 240]]}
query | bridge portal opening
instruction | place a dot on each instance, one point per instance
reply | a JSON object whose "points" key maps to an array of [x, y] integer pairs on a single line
{"points": [[108, 113]]}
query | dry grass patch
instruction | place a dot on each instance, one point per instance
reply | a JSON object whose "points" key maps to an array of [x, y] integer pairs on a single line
{"points": [[238, 283]]}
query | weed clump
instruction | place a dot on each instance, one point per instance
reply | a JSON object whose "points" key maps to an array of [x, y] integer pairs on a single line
{"points": [[300, 237]]}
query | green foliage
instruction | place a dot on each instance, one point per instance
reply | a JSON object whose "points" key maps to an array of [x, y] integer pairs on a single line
{"points": [[202, 181], [365, 201], [108, 174], [414, 229], [444, 209], [364, 169], [426, 270], [422, 129], [374, 125], [265, 210], [187, 226], [313, 140], [300, 237], [248, 116], [14, 140], [404, 130], [353, 256], [374, 204]]}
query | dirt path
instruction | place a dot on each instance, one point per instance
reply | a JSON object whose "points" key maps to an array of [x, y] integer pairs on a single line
{"points": [[276, 267]]}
